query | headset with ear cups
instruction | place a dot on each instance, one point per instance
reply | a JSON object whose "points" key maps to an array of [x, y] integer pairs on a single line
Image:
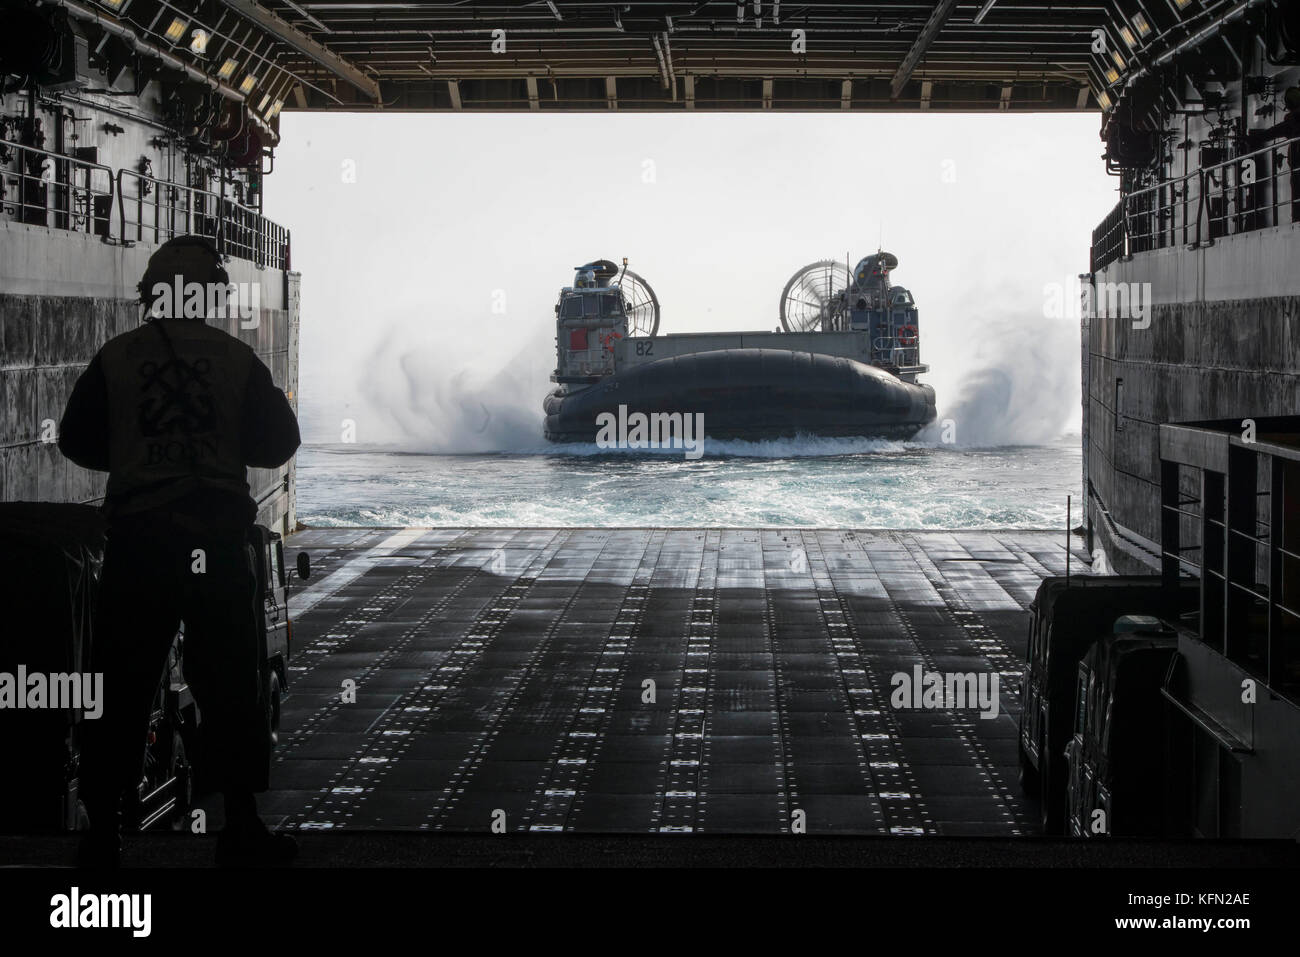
{"points": [[193, 258]]}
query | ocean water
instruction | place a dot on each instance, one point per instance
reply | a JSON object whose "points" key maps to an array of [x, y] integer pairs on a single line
{"points": [[804, 482]]}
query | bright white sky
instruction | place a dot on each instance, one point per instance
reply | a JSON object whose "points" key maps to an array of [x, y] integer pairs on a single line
{"points": [[449, 213]]}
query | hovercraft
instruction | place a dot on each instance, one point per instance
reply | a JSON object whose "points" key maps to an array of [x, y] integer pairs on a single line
{"points": [[844, 363]]}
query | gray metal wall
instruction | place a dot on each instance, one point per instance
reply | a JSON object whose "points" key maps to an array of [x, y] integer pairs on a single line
{"points": [[62, 296], [1223, 341]]}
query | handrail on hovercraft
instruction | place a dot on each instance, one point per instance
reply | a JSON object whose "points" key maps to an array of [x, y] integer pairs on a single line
{"points": [[825, 296]]}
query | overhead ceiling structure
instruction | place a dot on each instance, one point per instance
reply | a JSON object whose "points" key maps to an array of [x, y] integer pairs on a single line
{"points": [[955, 55], [714, 55]]}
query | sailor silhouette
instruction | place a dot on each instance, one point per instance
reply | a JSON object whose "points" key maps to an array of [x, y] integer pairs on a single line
{"points": [[176, 411]]}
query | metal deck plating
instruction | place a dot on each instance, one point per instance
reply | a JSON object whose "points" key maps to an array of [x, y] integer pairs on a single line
{"points": [[501, 676]]}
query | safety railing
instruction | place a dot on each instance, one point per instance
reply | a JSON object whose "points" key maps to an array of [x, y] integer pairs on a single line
{"points": [[902, 350], [1108, 238], [1252, 192], [154, 210], [1249, 192], [41, 188], [248, 234], [1164, 215], [1229, 517]]}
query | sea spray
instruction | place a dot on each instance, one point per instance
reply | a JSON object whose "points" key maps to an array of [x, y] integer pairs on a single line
{"points": [[433, 396], [1017, 384], [1002, 379]]}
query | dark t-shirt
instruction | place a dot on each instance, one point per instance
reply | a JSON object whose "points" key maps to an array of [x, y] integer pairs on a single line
{"points": [[266, 426]]}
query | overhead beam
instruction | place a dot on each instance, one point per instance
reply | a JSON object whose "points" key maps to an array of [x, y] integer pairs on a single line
{"points": [[142, 46], [938, 17], [287, 34], [979, 17]]}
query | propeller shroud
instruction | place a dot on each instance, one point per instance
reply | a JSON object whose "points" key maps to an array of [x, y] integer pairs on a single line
{"points": [[814, 299]]}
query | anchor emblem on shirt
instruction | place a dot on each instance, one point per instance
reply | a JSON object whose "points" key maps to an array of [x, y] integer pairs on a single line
{"points": [[176, 398]]}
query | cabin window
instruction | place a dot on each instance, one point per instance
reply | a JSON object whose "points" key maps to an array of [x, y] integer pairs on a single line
{"points": [[1119, 398], [611, 306], [573, 307], [276, 552]]}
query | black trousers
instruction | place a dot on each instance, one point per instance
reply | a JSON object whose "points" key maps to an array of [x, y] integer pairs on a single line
{"points": [[157, 573]]}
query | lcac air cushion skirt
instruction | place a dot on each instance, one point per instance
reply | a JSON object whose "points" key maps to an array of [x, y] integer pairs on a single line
{"points": [[750, 394]]}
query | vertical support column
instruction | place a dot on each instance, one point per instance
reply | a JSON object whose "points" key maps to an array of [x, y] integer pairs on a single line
{"points": [[1213, 528], [1085, 344], [1170, 532], [292, 301], [1239, 559], [1274, 667]]}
